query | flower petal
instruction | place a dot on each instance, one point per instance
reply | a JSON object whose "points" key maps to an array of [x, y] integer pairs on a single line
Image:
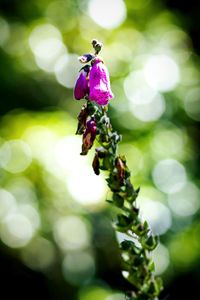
{"points": [[81, 88], [100, 90]]}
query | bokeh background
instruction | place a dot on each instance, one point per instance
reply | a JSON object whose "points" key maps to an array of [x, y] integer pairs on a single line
{"points": [[56, 238]]}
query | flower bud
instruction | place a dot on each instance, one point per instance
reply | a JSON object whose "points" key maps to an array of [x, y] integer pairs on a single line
{"points": [[86, 58], [121, 167], [81, 88]]}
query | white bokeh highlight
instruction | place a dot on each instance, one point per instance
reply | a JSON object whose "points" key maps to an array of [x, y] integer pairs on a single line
{"points": [[162, 73], [39, 254], [145, 103], [108, 14], [186, 201], [71, 233], [161, 259], [46, 44], [16, 230], [4, 32], [115, 296], [78, 267], [151, 110], [8, 203], [169, 176], [66, 70], [192, 103], [31, 213], [91, 189], [15, 156], [156, 214]]}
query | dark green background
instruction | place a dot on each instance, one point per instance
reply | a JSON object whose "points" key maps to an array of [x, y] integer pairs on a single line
{"points": [[31, 98]]}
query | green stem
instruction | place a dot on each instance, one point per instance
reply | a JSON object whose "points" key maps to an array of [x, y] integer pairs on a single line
{"points": [[134, 251]]}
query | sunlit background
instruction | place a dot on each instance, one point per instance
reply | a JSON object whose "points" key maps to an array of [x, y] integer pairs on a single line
{"points": [[56, 238]]}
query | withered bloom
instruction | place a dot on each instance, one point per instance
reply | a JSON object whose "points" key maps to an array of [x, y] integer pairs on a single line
{"points": [[88, 136], [96, 164], [82, 117], [121, 167]]}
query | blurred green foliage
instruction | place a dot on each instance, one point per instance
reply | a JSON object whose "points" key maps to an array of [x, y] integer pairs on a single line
{"points": [[53, 215]]}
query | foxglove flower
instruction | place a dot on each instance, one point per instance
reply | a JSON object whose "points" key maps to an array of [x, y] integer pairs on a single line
{"points": [[89, 136], [81, 88], [99, 81]]}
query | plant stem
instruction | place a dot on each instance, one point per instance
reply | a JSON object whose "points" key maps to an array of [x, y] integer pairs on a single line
{"points": [[135, 251]]}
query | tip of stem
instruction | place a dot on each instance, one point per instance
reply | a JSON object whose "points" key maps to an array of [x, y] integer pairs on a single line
{"points": [[97, 45]]}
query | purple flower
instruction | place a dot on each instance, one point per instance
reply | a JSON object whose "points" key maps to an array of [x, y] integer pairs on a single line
{"points": [[85, 58], [99, 81], [89, 136], [81, 88]]}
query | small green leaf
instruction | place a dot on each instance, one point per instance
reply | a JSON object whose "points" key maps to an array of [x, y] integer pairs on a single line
{"points": [[145, 225], [113, 182], [158, 285], [106, 163], [129, 188], [151, 266], [140, 229], [103, 138], [133, 278], [109, 201], [127, 245], [123, 222], [118, 200], [149, 243]]}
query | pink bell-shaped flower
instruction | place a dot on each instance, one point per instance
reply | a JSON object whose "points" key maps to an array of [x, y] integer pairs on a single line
{"points": [[99, 83], [81, 88]]}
